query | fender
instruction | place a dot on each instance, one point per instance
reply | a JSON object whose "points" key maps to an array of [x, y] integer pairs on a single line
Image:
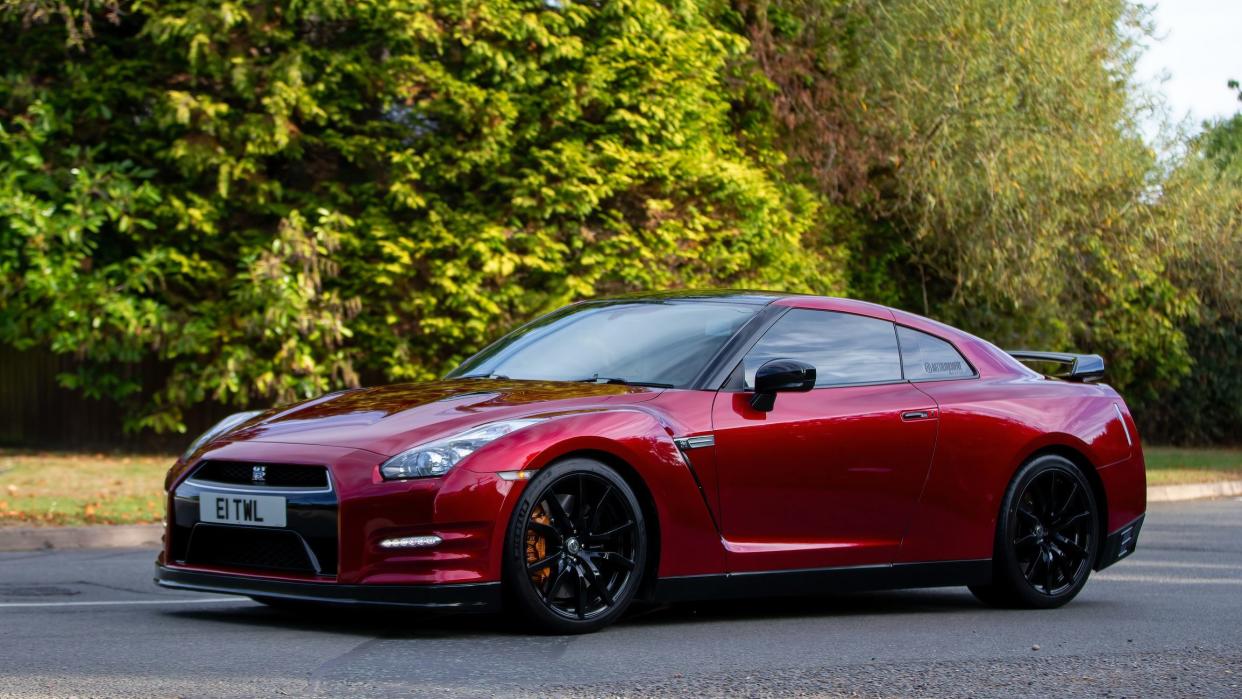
{"points": [[689, 542]]}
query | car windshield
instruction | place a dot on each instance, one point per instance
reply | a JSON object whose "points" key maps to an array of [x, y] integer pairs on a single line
{"points": [[663, 343]]}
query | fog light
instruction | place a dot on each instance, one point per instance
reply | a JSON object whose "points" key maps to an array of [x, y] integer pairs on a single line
{"points": [[411, 542]]}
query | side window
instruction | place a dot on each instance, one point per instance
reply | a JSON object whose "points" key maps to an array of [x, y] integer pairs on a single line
{"points": [[843, 348], [927, 358]]}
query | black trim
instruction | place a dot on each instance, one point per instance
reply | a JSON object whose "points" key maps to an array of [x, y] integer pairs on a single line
{"points": [[819, 581], [717, 372], [1119, 544], [474, 597]]}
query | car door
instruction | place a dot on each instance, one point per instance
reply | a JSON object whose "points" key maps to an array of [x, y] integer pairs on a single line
{"points": [[828, 477]]}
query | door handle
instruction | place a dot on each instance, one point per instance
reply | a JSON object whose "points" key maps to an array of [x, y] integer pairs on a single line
{"points": [[917, 414]]}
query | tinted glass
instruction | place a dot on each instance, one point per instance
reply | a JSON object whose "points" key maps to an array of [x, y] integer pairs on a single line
{"points": [[843, 348], [926, 357], [642, 342]]}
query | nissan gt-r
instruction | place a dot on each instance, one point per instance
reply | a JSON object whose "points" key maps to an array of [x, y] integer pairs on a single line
{"points": [[675, 446]]}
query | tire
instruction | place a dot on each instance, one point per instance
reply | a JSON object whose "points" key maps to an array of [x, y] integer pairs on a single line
{"points": [[1047, 537], [576, 548]]}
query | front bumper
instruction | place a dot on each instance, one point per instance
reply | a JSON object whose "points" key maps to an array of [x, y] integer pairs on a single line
{"points": [[472, 597], [339, 528]]}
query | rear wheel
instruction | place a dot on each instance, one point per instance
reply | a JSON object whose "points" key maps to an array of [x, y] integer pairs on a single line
{"points": [[1047, 536], [576, 548]]}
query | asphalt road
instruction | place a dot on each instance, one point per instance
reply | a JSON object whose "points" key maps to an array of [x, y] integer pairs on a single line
{"points": [[1167, 622]]}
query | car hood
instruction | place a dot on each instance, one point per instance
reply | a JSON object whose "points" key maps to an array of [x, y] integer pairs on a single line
{"points": [[390, 419]]}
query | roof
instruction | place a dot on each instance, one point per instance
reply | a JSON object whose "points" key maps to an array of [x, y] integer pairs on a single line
{"points": [[758, 298]]}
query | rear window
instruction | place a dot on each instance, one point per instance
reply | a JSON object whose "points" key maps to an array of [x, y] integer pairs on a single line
{"points": [[928, 358]]}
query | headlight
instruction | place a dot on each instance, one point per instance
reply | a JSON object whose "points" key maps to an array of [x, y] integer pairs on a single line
{"points": [[220, 428], [436, 458]]}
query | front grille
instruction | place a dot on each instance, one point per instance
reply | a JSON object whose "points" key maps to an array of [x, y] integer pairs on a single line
{"points": [[274, 475], [249, 547]]}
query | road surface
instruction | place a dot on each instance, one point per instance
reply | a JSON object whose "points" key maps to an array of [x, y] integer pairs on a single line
{"points": [[1167, 622]]}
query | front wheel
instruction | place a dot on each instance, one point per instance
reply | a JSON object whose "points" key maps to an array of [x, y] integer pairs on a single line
{"points": [[1046, 537], [576, 548]]}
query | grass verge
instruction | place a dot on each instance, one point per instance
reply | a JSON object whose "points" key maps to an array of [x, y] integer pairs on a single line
{"points": [[72, 489], [1176, 465]]}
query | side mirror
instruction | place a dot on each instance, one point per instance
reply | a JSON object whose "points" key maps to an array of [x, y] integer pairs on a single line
{"points": [[777, 375]]}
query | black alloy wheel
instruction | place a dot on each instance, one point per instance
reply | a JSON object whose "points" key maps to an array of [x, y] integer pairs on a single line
{"points": [[1046, 539], [576, 547]]}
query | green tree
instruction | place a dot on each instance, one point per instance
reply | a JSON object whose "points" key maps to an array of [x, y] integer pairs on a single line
{"points": [[996, 164], [1201, 207], [274, 198]]}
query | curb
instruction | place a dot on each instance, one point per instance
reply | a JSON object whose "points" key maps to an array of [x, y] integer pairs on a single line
{"points": [[1193, 491], [150, 535], [99, 537]]}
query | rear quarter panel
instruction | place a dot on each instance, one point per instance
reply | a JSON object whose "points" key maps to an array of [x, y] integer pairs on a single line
{"points": [[988, 428]]}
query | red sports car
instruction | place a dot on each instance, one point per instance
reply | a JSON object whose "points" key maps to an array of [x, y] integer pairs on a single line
{"points": [[670, 447]]}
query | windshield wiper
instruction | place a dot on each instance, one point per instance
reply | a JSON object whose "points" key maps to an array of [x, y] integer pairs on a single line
{"points": [[609, 379], [484, 376]]}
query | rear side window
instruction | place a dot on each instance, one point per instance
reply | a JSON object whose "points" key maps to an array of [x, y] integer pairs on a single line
{"points": [[844, 349], [928, 358]]}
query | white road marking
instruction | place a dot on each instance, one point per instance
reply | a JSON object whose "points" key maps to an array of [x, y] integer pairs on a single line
{"points": [[1166, 580], [121, 603], [1177, 564]]}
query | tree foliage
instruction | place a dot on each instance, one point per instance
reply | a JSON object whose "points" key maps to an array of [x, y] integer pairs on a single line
{"points": [[274, 199], [1002, 178]]}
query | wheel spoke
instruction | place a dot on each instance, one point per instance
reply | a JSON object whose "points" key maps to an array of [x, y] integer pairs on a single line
{"points": [[604, 536], [612, 559], [559, 517], [1067, 522], [1024, 540], [580, 505], [547, 531], [1069, 502], [588, 569], [542, 563], [556, 583], [1066, 544], [1066, 567], [582, 596], [1029, 571], [1022, 510], [1048, 573], [599, 507]]}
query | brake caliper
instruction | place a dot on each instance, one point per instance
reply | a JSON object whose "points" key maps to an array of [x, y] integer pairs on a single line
{"points": [[537, 546]]}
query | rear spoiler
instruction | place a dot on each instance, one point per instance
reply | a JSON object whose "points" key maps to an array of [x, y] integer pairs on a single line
{"points": [[1083, 368]]}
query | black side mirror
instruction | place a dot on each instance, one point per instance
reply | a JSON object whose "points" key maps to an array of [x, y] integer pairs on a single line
{"points": [[778, 375]]}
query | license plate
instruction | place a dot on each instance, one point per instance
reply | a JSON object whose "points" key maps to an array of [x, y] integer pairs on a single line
{"points": [[251, 510]]}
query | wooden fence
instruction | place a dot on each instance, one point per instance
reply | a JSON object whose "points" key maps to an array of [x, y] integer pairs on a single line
{"points": [[36, 412]]}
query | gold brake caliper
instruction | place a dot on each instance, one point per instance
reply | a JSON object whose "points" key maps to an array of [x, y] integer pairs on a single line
{"points": [[537, 546]]}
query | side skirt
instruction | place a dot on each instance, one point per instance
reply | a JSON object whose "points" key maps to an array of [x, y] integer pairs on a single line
{"points": [[822, 581]]}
